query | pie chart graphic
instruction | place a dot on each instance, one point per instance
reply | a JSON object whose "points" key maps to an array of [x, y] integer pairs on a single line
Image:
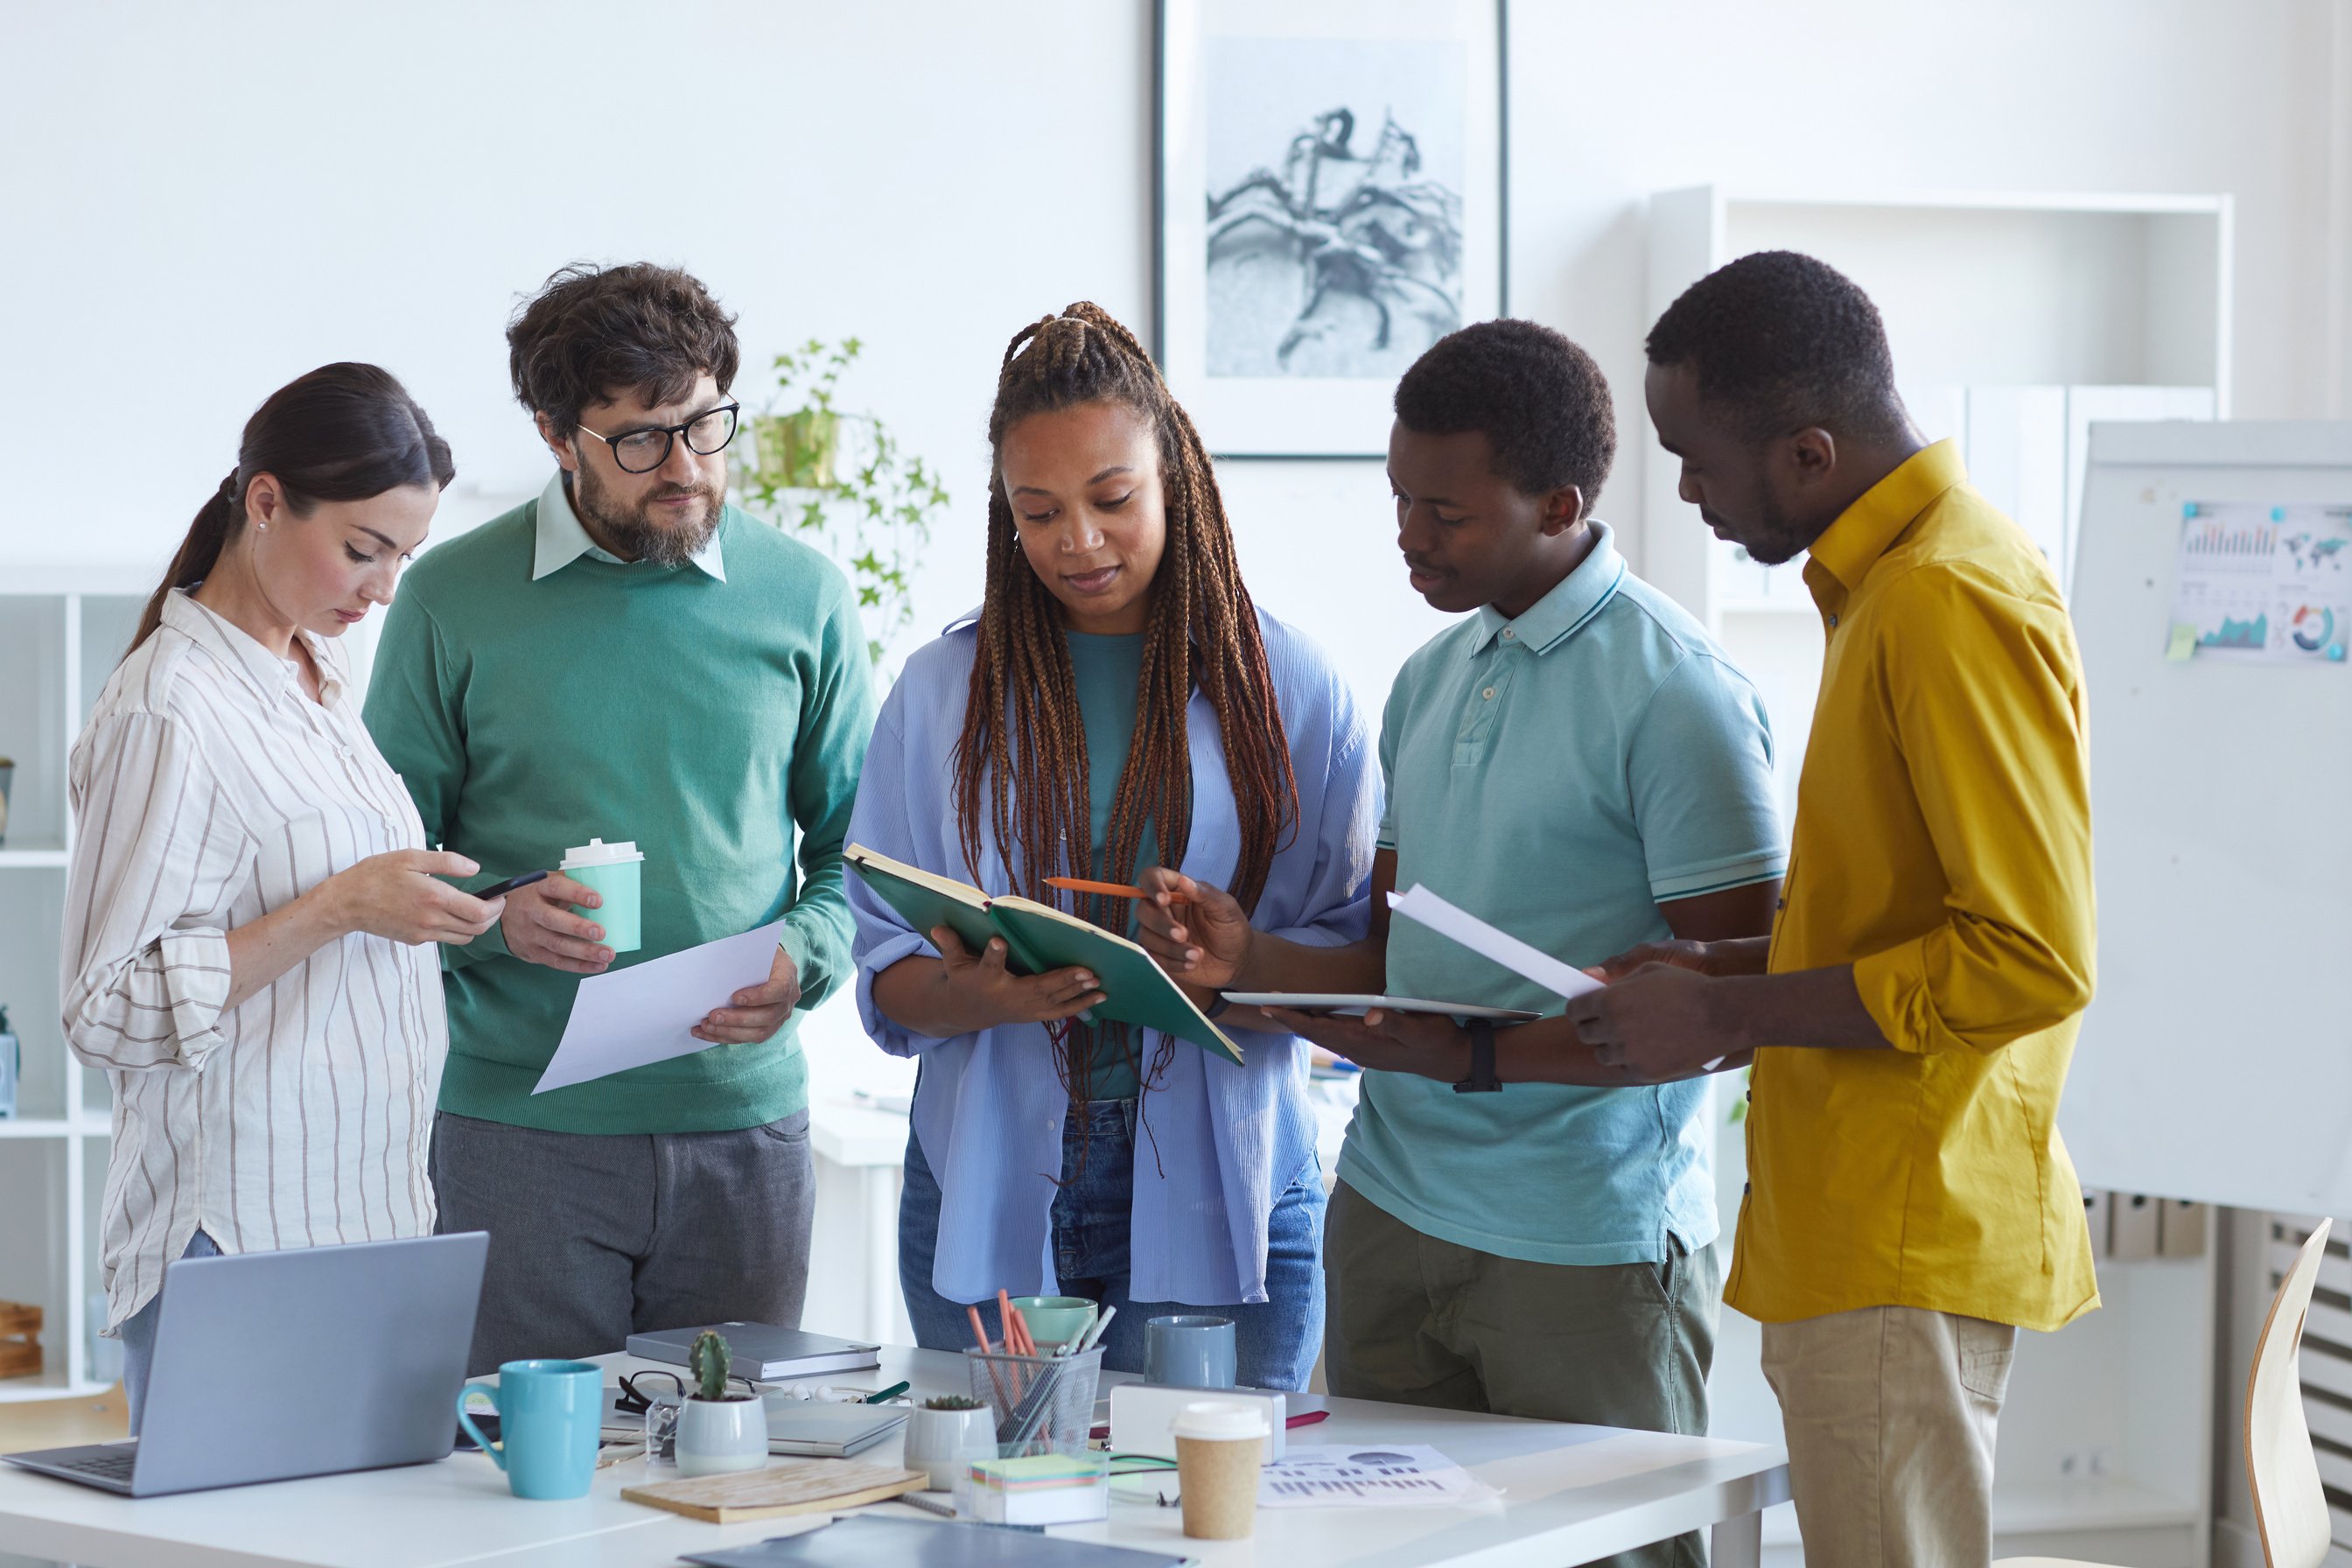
{"points": [[2313, 627]]}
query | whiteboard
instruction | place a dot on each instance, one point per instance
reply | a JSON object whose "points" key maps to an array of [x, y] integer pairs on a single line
{"points": [[2216, 1060]]}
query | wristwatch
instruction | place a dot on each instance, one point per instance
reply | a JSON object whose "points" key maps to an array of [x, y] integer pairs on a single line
{"points": [[1216, 1009], [1481, 1078]]}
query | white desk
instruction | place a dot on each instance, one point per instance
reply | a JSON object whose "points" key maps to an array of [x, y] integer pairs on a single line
{"points": [[1569, 1497]]}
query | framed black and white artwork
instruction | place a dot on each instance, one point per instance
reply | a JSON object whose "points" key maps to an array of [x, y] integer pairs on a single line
{"points": [[1330, 202]]}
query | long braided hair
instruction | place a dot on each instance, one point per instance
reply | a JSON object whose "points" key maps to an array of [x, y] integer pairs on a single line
{"points": [[1024, 743]]}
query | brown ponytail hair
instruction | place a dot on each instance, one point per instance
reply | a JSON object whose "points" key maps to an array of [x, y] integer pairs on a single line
{"points": [[1024, 746], [344, 432]]}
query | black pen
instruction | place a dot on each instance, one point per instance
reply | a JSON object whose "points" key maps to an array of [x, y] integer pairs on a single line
{"points": [[501, 889]]}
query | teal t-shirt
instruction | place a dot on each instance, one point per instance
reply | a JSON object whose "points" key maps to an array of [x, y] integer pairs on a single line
{"points": [[1559, 775], [1108, 671]]}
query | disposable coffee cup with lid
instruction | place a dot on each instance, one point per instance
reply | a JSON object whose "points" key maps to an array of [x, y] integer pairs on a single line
{"points": [[1219, 1446], [615, 871]]}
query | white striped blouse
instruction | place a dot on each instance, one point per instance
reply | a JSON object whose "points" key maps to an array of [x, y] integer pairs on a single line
{"points": [[209, 790]]}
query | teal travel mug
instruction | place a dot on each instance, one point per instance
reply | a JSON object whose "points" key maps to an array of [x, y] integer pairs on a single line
{"points": [[550, 1414], [613, 870]]}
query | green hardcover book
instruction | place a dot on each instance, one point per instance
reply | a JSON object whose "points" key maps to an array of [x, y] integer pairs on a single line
{"points": [[1136, 990]]}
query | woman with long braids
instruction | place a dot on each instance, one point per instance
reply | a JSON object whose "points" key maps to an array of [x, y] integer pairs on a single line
{"points": [[1118, 701], [252, 905]]}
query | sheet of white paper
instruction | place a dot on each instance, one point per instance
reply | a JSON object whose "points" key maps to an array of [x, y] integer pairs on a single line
{"points": [[1369, 1475], [1420, 904], [628, 1017]]}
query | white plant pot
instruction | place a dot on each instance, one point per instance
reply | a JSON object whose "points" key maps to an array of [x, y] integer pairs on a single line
{"points": [[942, 1442], [715, 1437]]}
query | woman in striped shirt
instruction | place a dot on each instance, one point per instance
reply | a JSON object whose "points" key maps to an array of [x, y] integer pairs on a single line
{"points": [[251, 891]]}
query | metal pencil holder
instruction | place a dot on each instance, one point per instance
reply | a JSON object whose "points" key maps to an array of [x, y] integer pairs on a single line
{"points": [[1043, 1405]]}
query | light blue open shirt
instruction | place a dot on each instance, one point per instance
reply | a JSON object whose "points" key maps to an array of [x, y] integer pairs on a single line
{"points": [[1224, 1142]]}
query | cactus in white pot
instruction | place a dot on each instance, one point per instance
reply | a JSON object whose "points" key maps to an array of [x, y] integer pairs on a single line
{"points": [[945, 1434], [719, 1431]]}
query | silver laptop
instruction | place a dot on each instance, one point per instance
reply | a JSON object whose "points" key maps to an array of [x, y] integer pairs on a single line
{"points": [[271, 1365]]}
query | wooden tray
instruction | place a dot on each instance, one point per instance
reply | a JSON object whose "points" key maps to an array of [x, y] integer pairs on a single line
{"points": [[810, 1486], [20, 1350]]}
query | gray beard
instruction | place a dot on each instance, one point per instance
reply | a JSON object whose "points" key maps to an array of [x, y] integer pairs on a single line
{"points": [[634, 532]]}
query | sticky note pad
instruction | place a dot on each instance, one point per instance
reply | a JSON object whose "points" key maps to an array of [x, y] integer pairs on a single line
{"points": [[2183, 643]]}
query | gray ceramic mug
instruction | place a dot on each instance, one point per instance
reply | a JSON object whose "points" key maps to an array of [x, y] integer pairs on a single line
{"points": [[1189, 1351]]}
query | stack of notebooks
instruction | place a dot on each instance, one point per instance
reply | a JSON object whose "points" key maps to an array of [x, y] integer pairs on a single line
{"points": [[1041, 1488], [1039, 937], [762, 1352]]}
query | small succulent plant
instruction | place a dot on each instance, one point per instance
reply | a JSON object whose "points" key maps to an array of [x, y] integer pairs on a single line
{"points": [[707, 1360], [953, 1402]]}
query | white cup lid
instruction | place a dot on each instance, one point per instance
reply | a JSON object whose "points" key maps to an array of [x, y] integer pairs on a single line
{"points": [[1216, 1420], [596, 852]]}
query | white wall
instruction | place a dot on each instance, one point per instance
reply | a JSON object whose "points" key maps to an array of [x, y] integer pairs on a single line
{"points": [[203, 201]]}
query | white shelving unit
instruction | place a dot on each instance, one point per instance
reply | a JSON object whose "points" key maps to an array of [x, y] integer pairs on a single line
{"points": [[2016, 320], [62, 633]]}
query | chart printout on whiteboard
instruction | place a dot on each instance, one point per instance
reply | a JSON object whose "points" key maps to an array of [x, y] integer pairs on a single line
{"points": [[1421, 905], [2266, 582]]}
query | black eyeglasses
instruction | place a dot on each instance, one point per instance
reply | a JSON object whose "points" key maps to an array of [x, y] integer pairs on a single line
{"points": [[633, 1400], [643, 451]]}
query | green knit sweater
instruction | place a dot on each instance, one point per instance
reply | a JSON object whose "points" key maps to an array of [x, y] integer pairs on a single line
{"points": [[703, 719]]}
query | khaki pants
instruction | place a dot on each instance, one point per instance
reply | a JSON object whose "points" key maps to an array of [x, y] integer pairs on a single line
{"points": [[1417, 1321], [1890, 1414]]}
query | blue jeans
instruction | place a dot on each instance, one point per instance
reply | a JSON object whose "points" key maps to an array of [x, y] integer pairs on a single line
{"points": [[138, 1334], [1275, 1340]]}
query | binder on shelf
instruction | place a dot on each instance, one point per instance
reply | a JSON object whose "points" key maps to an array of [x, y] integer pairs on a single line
{"points": [[2132, 1232], [2098, 1209], [2181, 1228]]}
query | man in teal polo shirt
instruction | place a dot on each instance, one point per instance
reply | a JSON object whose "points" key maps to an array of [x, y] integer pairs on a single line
{"points": [[628, 657], [1517, 1228]]}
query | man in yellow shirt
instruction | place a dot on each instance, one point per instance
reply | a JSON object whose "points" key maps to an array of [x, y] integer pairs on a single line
{"points": [[1910, 1203]]}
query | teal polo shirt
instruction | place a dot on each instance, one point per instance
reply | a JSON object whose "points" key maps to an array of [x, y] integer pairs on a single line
{"points": [[1559, 775]]}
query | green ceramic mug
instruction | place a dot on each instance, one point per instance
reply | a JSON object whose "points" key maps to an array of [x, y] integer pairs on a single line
{"points": [[1056, 1321], [613, 870]]}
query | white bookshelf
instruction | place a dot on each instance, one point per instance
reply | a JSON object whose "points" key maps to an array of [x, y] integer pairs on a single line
{"points": [[2016, 320], [62, 633]]}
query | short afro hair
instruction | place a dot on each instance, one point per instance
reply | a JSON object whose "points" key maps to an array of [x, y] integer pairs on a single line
{"points": [[1540, 400], [1789, 342], [591, 331]]}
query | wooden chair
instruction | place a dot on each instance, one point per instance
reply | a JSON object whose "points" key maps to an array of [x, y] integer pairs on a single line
{"points": [[2288, 1503]]}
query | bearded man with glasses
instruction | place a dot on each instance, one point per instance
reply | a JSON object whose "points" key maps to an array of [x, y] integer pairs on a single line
{"points": [[628, 659]]}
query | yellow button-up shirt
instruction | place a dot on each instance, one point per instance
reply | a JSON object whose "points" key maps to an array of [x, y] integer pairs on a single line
{"points": [[1943, 849]]}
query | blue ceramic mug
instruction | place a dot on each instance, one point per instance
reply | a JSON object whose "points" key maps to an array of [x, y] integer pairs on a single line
{"points": [[1189, 1351], [550, 1414]]}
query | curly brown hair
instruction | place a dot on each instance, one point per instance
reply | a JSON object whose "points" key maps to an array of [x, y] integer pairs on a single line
{"points": [[591, 332]]}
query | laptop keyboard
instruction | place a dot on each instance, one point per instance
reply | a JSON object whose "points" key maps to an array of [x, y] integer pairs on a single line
{"points": [[113, 1466]]}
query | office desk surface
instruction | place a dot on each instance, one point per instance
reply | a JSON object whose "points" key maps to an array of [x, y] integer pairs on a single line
{"points": [[1570, 1494]]}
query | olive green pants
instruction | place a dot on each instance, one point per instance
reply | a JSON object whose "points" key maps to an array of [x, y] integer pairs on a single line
{"points": [[1416, 1320]]}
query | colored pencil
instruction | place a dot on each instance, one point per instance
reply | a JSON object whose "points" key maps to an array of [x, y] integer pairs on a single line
{"points": [[1108, 890], [980, 1335], [1016, 1332]]}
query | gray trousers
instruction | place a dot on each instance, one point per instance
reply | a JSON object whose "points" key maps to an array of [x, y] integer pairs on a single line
{"points": [[594, 1237]]}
